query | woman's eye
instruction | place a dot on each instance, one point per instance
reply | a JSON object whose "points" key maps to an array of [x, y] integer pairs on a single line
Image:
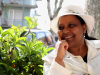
{"points": [[61, 28], [71, 25]]}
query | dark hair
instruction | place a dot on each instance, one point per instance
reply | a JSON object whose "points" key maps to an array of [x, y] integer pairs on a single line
{"points": [[86, 35]]}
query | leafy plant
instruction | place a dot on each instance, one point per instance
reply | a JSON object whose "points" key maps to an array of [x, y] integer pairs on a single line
{"points": [[19, 56]]}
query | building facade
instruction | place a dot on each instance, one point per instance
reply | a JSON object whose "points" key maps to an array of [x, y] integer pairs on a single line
{"points": [[15, 11]]}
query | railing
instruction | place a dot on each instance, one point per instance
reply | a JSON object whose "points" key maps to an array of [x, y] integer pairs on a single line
{"points": [[5, 22], [27, 2], [8, 22]]}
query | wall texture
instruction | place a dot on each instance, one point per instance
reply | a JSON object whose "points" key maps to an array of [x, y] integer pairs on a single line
{"points": [[93, 8]]}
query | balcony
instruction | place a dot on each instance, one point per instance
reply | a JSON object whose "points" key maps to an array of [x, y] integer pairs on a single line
{"points": [[6, 23], [19, 3]]}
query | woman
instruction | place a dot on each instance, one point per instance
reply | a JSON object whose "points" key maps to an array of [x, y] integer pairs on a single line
{"points": [[75, 53]]}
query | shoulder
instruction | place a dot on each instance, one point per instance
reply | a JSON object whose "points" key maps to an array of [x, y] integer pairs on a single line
{"points": [[95, 43]]}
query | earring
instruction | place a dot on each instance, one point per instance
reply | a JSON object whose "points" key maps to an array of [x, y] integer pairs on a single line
{"points": [[84, 35]]}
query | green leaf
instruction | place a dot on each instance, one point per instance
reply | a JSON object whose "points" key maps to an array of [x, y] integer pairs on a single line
{"points": [[32, 36], [30, 44], [26, 42], [37, 42], [27, 18], [14, 27], [24, 49], [23, 33], [6, 46], [7, 32], [5, 65], [38, 46], [13, 61], [24, 53], [9, 68], [21, 49], [29, 24], [15, 39], [21, 39], [14, 54], [40, 66], [27, 50], [1, 31]]}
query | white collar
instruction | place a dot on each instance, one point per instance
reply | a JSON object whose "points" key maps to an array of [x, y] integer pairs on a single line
{"points": [[92, 48]]}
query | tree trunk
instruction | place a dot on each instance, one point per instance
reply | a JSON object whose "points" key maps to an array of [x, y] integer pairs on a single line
{"points": [[93, 8], [49, 10], [2, 7], [56, 10]]}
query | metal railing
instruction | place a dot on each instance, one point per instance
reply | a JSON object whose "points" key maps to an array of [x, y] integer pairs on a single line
{"points": [[8, 22], [27, 2]]}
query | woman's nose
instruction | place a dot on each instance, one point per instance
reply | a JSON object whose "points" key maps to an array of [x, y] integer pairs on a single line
{"points": [[66, 30]]}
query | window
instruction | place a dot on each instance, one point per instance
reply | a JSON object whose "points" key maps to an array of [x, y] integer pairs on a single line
{"points": [[15, 14], [29, 38], [41, 37], [50, 41], [11, 14], [12, 1], [18, 15]]}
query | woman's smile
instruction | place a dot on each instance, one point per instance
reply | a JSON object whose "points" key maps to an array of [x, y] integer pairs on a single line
{"points": [[71, 30], [68, 37]]}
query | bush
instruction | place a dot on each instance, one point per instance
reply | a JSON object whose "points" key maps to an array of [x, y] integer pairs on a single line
{"points": [[19, 56]]}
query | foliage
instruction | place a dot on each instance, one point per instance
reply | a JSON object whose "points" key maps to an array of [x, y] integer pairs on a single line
{"points": [[19, 56]]}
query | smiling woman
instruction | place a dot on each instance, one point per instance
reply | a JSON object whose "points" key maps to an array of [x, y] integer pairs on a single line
{"points": [[71, 30], [75, 53]]}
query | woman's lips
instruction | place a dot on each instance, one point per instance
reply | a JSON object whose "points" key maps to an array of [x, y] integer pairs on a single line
{"points": [[67, 37]]}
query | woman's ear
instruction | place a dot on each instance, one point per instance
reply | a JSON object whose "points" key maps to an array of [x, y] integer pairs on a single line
{"points": [[84, 28]]}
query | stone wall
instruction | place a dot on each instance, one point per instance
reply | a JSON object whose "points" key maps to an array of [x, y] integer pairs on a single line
{"points": [[93, 8]]}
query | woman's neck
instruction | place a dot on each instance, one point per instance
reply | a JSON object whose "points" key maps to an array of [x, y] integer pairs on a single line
{"points": [[80, 50]]}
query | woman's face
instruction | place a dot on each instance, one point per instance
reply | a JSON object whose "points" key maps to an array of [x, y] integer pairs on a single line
{"points": [[71, 30]]}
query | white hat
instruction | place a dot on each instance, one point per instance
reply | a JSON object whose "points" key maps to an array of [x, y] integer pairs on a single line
{"points": [[73, 10]]}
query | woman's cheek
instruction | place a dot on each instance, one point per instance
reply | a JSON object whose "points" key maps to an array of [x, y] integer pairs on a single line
{"points": [[60, 33]]}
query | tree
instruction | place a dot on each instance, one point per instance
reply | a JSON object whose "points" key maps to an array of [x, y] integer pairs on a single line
{"points": [[93, 8], [19, 56], [57, 7], [2, 7]]}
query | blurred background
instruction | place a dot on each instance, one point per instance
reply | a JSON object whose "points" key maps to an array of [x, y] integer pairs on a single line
{"points": [[14, 11]]}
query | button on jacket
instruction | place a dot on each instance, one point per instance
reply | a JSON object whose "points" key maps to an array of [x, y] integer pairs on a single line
{"points": [[74, 65]]}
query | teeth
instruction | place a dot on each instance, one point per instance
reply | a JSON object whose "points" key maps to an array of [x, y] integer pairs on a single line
{"points": [[68, 37]]}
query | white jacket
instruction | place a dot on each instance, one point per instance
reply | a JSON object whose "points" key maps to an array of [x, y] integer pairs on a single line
{"points": [[74, 65]]}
